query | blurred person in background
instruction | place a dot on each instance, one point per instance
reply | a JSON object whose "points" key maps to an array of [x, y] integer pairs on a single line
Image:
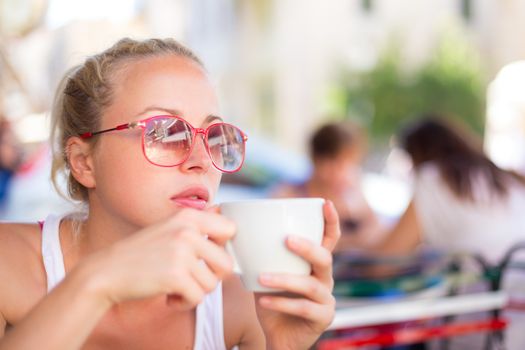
{"points": [[337, 150], [462, 202]]}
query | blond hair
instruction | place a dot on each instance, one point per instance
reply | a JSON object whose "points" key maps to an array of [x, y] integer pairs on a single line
{"points": [[86, 90]]}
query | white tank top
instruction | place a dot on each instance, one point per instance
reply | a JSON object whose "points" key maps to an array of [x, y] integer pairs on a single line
{"points": [[209, 330]]}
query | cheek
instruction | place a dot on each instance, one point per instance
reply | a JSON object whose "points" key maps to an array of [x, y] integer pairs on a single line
{"points": [[341, 176], [346, 175], [120, 176], [214, 178], [121, 172], [324, 174], [119, 160], [119, 148]]}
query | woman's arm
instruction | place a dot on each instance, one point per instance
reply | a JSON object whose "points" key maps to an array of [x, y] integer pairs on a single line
{"points": [[64, 319], [239, 304], [166, 260], [404, 237]]}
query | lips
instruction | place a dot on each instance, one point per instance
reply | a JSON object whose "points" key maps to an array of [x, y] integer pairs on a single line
{"points": [[194, 197]]}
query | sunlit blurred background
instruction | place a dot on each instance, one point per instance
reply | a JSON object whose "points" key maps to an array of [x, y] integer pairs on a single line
{"points": [[283, 68]]}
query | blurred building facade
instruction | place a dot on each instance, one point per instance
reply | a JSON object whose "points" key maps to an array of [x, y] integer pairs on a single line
{"points": [[297, 48], [273, 60]]}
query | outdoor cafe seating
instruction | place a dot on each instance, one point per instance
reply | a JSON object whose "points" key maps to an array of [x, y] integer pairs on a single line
{"points": [[395, 301]]}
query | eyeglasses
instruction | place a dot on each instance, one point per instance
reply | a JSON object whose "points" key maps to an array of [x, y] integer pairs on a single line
{"points": [[168, 141]]}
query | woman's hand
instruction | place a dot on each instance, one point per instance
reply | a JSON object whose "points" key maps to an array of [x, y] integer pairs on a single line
{"points": [[297, 322], [181, 257]]}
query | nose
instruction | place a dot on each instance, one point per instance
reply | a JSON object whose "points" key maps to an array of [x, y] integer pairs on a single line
{"points": [[199, 159]]}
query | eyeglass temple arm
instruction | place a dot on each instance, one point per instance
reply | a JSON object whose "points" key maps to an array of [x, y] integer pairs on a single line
{"points": [[87, 135]]}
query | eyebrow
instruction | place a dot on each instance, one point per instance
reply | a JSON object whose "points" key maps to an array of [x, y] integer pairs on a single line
{"points": [[210, 118]]}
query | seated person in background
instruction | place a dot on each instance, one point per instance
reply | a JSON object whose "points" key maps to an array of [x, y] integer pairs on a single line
{"points": [[336, 151], [462, 202]]}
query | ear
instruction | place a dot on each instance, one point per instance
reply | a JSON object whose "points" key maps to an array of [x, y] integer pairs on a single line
{"points": [[80, 160]]}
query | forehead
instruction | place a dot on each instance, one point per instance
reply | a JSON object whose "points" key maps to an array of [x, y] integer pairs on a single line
{"points": [[167, 83]]}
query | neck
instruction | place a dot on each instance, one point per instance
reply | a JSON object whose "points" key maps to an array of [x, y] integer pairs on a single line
{"points": [[316, 187], [101, 229]]}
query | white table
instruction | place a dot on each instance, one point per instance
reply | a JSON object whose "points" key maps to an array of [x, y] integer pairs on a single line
{"points": [[350, 313]]}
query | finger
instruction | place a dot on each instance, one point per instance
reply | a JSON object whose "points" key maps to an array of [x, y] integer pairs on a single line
{"points": [[215, 257], [190, 295], [307, 286], [204, 276], [319, 257], [319, 313], [215, 226], [332, 230]]}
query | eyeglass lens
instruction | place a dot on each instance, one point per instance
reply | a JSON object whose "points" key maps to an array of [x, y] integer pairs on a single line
{"points": [[168, 141]]}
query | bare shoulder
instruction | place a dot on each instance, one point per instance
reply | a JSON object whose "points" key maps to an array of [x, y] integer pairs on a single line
{"points": [[241, 325], [19, 242], [21, 269], [20, 236]]}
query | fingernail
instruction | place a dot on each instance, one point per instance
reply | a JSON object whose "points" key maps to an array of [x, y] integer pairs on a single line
{"points": [[265, 278], [294, 241], [213, 209], [264, 301]]}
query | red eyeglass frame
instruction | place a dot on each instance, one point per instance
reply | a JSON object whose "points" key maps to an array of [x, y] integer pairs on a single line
{"points": [[194, 131]]}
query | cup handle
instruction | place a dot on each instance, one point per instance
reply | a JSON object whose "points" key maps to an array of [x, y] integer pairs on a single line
{"points": [[229, 250]]}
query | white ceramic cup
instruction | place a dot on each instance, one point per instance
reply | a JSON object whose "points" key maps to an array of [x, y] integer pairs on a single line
{"points": [[259, 246]]}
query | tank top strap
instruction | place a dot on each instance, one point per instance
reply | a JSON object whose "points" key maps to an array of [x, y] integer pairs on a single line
{"points": [[52, 252], [209, 328]]}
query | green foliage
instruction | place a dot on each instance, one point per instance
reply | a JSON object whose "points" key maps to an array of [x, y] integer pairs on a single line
{"points": [[387, 96]]}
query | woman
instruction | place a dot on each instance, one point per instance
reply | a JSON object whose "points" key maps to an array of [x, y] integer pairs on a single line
{"points": [[143, 148], [462, 201]]}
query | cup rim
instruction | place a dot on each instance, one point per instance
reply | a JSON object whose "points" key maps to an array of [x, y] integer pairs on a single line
{"points": [[273, 200]]}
